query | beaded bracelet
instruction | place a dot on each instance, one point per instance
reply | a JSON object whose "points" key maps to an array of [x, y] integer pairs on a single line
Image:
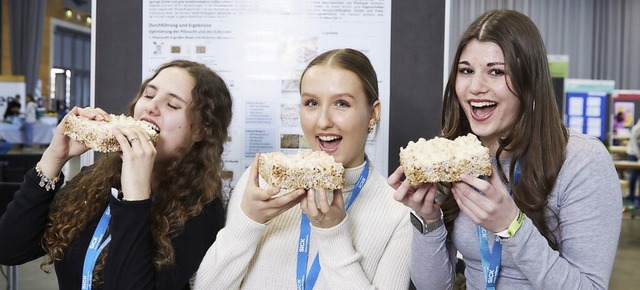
{"points": [[46, 183]]}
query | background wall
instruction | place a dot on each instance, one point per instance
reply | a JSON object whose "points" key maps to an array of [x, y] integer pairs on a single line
{"points": [[600, 37], [417, 51], [53, 9]]}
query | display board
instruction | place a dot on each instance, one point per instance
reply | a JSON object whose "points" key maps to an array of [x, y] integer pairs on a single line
{"points": [[416, 65], [587, 106], [626, 105], [260, 49]]}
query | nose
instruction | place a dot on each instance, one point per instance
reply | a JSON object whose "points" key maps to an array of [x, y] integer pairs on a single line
{"points": [[478, 85], [324, 119], [151, 107]]}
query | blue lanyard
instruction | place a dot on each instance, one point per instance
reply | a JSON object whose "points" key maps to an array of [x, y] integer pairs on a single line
{"points": [[95, 248], [302, 280], [491, 259]]}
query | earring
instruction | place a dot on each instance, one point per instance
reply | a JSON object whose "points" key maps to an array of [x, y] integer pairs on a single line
{"points": [[372, 124]]}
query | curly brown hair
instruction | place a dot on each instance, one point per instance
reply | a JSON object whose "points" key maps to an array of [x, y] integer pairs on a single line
{"points": [[537, 138], [195, 176]]}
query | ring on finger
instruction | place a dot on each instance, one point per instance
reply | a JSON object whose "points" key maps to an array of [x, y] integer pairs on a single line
{"points": [[320, 218], [134, 139]]}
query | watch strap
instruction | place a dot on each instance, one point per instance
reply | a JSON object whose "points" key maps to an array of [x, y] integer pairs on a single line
{"points": [[425, 227]]}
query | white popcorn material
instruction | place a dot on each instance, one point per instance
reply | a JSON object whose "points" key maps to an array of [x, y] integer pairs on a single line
{"points": [[306, 169], [441, 159], [98, 135]]}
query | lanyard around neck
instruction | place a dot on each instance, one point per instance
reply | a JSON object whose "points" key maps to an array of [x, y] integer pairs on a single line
{"points": [[96, 246], [491, 259], [302, 279]]}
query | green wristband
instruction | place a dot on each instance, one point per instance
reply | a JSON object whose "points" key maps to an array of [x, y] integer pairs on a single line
{"points": [[513, 227]]}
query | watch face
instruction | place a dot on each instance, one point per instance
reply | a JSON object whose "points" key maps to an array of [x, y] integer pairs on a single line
{"points": [[417, 223]]}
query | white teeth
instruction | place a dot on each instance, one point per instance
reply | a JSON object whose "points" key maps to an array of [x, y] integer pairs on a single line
{"points": [[482, 104], [328, 138]]}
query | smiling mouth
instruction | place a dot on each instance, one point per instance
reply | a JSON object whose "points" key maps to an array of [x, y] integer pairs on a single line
{"points": [[482, 110], [329, 144]]}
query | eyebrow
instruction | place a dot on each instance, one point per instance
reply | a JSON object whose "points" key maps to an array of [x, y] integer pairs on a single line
{"points": [[339, 95], [490, 64], [170, 94]]}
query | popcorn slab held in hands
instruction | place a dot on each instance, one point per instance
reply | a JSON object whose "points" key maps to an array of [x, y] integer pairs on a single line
{"points": [[443, 160], [305, 169], [98, 135]]}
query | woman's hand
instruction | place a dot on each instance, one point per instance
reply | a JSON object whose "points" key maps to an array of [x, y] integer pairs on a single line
{"points": [[490, 205], [138, 156], [62, 148], [317, 208], [422, 200], [260, 204]]}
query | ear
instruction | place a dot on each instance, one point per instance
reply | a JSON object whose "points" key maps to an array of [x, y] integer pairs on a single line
{"points": [[376, 110]]}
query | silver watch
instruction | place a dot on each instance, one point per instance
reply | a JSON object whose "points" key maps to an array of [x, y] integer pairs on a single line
{"points": [[424, 227]]}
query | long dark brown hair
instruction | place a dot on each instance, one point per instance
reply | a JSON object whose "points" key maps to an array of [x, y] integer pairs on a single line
{"points": [[537, 138], [192, 181]]}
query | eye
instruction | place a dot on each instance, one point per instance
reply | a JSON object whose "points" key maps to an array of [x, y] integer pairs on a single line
{"points": [[148, 96], [342, 104], [465, 71], [173, 106], [310, 103], [496, 72]]}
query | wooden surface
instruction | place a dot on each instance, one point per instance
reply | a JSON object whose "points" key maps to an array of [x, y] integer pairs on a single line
{"points": [[618, 149], [625, 164]]}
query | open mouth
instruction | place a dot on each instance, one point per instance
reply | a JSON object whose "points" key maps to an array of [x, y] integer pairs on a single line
{"points": [[152, 124], [482, 110], [329, 144]]}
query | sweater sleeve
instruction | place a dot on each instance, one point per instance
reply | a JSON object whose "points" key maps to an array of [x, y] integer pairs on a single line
{"points": [[225, 263], [22, 226], [433, 260], [589, 218], [129, 262]]}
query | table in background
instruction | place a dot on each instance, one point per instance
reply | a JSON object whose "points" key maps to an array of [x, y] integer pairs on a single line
{"points": [[625, 164], [12, 133]]}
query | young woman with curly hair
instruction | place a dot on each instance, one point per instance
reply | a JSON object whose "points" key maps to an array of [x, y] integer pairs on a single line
{"points": [[164, 201]]}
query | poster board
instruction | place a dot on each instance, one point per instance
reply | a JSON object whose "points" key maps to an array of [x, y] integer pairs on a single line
{"points": [[587, 106], [260, 49], [626, 103]]}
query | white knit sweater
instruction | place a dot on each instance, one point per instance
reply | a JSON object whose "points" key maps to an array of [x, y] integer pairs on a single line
{"points": [[368, 250]]}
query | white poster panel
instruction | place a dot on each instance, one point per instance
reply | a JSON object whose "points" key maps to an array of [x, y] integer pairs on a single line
{"points": [[260, 49]]}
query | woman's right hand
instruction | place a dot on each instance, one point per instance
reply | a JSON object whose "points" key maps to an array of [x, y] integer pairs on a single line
{"points": [[421, 199], [62, 148], [260, 204]]}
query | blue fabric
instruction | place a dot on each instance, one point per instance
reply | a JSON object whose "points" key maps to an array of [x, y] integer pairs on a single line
{"points": [[28, 134]]}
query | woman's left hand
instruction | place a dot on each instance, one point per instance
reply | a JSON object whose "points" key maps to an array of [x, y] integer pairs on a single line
{"points": [[138, 156], [494, 210], [323, 214]]}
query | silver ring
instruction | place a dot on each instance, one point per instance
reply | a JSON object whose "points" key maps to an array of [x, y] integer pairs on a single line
{"points": [[134, 139], [320, 218]]}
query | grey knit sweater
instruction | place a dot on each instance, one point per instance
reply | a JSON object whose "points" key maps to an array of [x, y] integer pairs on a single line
{"points": [[584, 211], [368, 250]]}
